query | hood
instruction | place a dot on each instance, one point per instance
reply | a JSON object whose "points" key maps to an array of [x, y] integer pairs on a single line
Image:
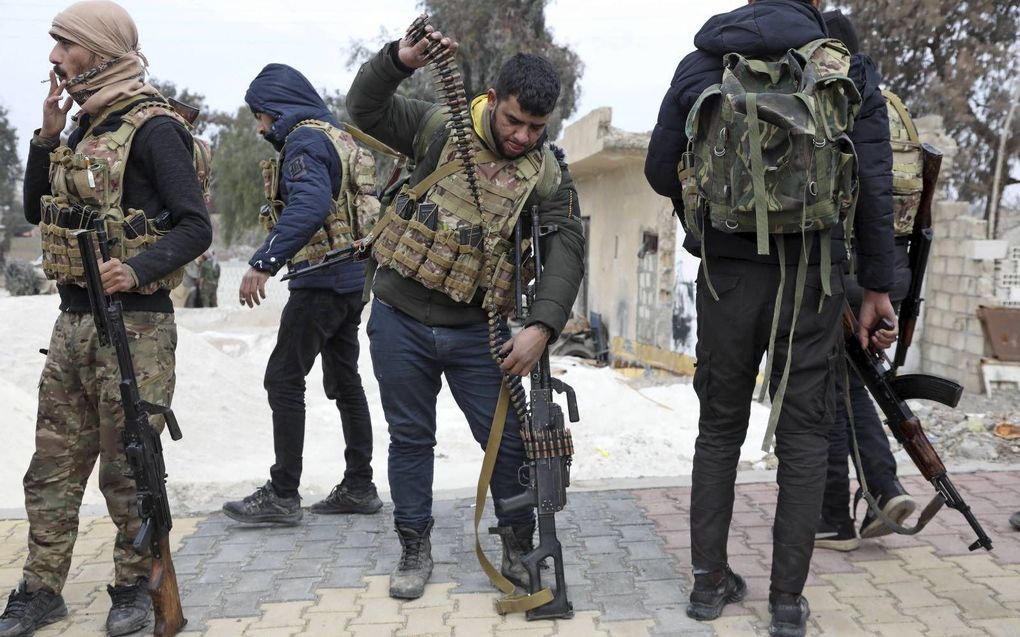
{"points": [[765, 27], [283, 93]]}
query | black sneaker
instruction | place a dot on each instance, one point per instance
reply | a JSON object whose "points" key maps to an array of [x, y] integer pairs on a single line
{"points": [[265, 507], [712, 591], [896, 504], [838, 535], [343, 499], [789, 615], [26, 611], [131, 608]]}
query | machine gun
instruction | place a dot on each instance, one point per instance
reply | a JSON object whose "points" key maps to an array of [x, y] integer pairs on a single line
{"points": [[549, 448], [891, 392], [141, 442], [920, 248]]}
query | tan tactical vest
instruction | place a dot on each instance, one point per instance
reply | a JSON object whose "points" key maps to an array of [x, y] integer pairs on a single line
{"points": [[435, 235], [87, 185], [353, 212], [908, 164]]}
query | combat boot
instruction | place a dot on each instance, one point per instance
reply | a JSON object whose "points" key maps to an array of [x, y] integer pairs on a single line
{"points": [[517, 542], [130, 608], [264, 506], [407, 581], [26, 611], [712, 591], [789, 614]]}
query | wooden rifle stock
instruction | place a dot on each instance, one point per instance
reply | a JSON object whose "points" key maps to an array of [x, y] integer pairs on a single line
{"points": [[920, 246], [166, 598]]}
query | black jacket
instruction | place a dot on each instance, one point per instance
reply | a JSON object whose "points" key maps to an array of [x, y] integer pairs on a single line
{"points": [[767, 28], [160, 175]]}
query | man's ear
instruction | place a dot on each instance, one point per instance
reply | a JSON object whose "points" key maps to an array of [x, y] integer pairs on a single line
{"points": [[490, 96]]}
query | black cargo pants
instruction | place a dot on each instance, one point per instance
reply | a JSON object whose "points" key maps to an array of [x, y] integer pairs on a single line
{"points": [[733, 334]]}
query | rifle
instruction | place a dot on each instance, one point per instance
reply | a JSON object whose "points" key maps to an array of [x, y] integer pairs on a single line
{"points": [[357, 251], [920, 248], [141, 443], [891, 392], [549, 447]]}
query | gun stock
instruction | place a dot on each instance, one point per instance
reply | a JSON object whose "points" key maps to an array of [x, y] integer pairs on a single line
{"points": [[920, 248], [906, 426], [166, 598]]}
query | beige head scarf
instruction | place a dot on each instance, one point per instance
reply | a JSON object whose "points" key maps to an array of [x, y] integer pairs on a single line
{"points": [[106, 29]]}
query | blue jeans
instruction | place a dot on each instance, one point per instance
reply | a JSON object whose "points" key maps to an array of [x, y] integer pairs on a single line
{"points": [[410, 359]]}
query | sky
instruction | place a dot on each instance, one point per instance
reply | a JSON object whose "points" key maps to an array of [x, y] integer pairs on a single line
{"points": [[215, 47]]}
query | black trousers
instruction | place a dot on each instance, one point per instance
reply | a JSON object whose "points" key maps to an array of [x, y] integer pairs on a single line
{"points": [[733, 334], [314, 322], [876, 457]]}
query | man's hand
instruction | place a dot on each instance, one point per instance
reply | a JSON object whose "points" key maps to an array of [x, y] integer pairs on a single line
{"points": [[115, 276], [412, 54], [521, 352], [874, 307], [253, 287], [54, 113]]}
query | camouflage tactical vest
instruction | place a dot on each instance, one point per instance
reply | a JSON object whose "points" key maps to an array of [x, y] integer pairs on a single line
{"points": [[908, 164], [351, 215], [435, 235], [769, 151], [87, 185]]}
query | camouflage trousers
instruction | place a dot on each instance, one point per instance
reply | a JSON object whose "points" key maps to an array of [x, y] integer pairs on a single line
{"points": [[80, 418]]}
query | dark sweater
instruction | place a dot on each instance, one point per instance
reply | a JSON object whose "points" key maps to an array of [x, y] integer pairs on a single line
{"points": [[160, 175]]}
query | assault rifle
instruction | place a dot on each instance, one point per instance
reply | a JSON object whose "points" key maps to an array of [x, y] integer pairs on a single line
{"points": [[920, 248], [141, 443], [357, 251], [891, 392], [549, 448]]}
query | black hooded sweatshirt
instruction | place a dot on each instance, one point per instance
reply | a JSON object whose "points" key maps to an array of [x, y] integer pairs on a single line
{"points": [[770, 28]]}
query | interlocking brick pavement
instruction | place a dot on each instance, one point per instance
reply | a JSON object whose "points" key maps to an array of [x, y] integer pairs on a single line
{"points": [[627, 558]]}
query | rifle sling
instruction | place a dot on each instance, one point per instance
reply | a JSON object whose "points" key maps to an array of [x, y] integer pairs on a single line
{"points": [[511, 603], [930, 509]]}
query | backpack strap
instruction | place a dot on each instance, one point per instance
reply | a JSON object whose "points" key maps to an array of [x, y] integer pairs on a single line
{"points": [[368, 141], [434, 120], [908, 123]]}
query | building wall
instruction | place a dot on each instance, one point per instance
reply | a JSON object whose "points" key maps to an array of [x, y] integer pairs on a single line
{"points": [[957, 284], [608, 169]]}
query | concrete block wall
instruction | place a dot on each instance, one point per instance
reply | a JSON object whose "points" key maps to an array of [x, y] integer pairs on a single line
{"points": [[953, 342]]}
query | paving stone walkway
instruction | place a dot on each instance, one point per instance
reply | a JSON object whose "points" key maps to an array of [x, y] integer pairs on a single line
{"points": [[627, 558]]}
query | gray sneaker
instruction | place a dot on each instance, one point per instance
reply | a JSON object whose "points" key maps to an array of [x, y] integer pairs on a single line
{"points": [[343, 499], [26, 611], [897, 505], [131, 608], [407, 581], [265, 507]]}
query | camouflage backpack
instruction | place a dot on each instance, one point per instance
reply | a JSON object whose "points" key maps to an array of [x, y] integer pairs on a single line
{"points": [[769, 154], [769, 151], [908, 164]]}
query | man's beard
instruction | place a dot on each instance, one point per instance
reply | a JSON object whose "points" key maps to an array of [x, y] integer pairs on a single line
{"points": [[500, 147], [59, 72]]}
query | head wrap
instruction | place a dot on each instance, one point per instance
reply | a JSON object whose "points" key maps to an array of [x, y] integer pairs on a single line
{"points": [[104, 28]]}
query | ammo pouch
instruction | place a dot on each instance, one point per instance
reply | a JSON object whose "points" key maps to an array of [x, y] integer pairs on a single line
{"points": [[456, 261], [128, 236]]}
